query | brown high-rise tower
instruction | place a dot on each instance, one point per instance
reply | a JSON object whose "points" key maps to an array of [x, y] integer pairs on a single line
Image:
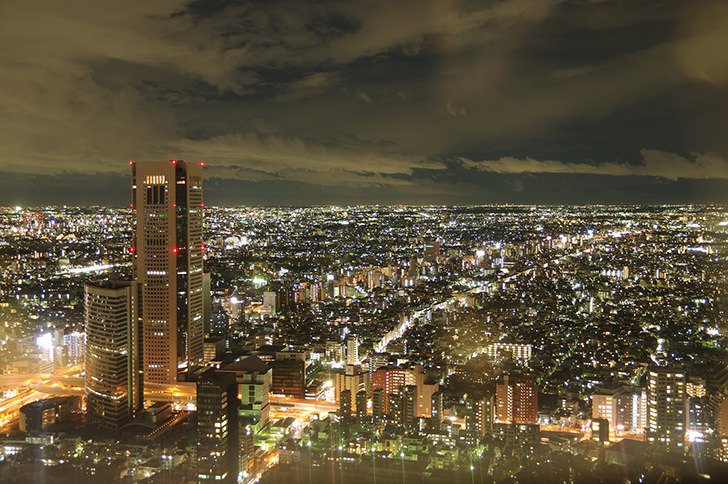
{"points": [[167, 255], [516, 400]]}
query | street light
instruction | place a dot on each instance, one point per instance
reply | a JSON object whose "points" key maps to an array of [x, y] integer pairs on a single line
{"points": [[310, 478], [403, 475], [480, 466], [341, 463], [374, 465]]}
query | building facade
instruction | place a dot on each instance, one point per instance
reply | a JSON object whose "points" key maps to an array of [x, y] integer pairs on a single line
{"points": [[353, 379], [479, 415], [289, 378], [254, 379], [516, 400], [114, 387], [389, 379], [217, 428], [667, 404], [352, 350], [167, 261], [520, 353]]}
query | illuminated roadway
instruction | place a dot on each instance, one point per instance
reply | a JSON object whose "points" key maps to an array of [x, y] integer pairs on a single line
{"points": [[183, 392], [10, 406]]}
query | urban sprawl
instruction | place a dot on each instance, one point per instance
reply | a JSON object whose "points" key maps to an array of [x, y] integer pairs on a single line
{"points": [[170, 341]]}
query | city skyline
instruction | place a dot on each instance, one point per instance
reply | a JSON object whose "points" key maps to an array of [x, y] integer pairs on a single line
{"points": [[442, 241], [348, 344], [526, 101]]}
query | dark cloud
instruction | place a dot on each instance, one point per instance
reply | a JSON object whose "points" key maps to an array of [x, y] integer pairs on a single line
{"points": [[436, 101]]}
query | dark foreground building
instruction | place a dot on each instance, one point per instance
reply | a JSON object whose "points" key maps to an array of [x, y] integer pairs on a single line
{"points": [[217, 428]]}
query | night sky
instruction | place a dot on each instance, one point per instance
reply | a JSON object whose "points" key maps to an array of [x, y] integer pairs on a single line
{"points": [[395, 101]]}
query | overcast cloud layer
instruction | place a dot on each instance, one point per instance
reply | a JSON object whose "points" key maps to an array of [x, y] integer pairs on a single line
{"points": [[420, 101]]}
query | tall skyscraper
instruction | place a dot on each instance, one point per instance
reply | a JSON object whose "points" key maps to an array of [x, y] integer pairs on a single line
{"points": [[361, 405], [479, 415], [395, 409], [436, 409], [378, 401], [217, 428], [516, 400], [345, 405], [114, 391], [666, 402], [167, 252], [390, 378], [409, 405], [352, 350], [74, 343]]}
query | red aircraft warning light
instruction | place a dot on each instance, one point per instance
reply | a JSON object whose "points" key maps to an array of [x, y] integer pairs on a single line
{"points": [[174, 250]]}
